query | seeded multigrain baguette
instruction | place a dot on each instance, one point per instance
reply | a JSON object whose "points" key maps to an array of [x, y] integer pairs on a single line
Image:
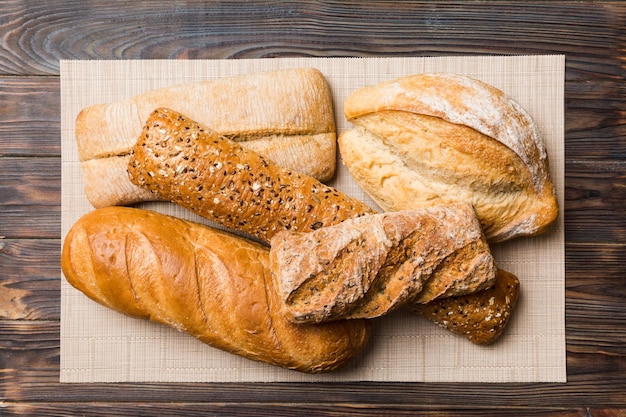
{"points": [[482, 316], [180, 161]]}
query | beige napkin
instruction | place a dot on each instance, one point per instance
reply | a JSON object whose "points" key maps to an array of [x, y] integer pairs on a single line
{"points": [[99, 345]]}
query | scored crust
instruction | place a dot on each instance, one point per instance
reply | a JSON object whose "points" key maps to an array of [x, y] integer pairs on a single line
{"points": [[438, 138], [371, 265], [207, 283]]}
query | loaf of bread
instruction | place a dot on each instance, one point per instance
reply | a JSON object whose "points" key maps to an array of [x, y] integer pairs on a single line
{"points": [[437, 138], [286, 115], [208, 283], [179, 160], [481, 316], [183, 162], [371, 265]]}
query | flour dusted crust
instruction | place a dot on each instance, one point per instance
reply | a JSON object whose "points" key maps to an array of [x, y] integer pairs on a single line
{"points": [[437, 138], [369, 266], [207, 283], [286, 115]]}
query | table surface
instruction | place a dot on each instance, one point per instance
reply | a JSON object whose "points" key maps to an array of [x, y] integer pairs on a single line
{"points": [[36, 35]]}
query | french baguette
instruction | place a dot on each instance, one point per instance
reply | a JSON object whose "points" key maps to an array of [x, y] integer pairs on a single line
{"points": [[183, 162], [286, 115], [371, 265], [208, 283], [437, 138], [179, 160]]}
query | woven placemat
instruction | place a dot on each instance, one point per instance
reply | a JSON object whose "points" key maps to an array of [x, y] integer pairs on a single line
{"points": [[99, 345]]}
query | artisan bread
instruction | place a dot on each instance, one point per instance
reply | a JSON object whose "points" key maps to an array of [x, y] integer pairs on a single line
{"points": [[183, 162], [481, 316], [208, 283], [437, 138], [286, 115], [371, 265], [219, 180]]}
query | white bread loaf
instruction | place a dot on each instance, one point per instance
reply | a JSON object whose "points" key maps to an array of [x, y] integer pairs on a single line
{"points": [[437, 138], [210, 284], [286, 115]]}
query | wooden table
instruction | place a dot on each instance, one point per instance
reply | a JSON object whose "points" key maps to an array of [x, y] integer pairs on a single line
{"points": [[35, 35]]}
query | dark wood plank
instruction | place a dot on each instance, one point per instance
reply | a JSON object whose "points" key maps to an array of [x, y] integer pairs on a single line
{"points": [[29, 355], [595, 124], [30, 117], [595, 200], [30, 195], [280, 410], [39, 35], [30, 279]]}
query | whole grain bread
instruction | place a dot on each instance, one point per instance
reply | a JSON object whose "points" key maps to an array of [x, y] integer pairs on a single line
{"points": [[482, 316], [183, 162]]}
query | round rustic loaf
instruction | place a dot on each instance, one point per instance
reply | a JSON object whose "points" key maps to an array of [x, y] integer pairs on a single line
{"points": [[439, 138]]}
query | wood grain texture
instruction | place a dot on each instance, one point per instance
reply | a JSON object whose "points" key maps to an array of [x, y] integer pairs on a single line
{"points": [[280, 410], [40, 34], [30, 124], [30, 195], [36, 35]]}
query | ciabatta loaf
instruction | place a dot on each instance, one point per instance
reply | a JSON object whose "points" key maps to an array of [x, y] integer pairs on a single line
{"points": [[286, 115], [184, 162], [372, 265], [437, 138], [210, 284]]}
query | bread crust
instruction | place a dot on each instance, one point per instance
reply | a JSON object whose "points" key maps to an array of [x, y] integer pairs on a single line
{"points": [[263, 202], [183, 162], [286, 115], [438, 138], [369, 266], [208, 283], [482, 316]]}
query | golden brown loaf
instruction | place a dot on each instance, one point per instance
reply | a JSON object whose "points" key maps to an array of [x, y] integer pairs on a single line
{"points": [[179, 160], [436, 138], [481, 316], [210, 284], [372, 265], [286, 115], [219, 180]]}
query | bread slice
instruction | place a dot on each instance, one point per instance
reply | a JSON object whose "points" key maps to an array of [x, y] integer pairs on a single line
{"points": [[438, 138]]}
